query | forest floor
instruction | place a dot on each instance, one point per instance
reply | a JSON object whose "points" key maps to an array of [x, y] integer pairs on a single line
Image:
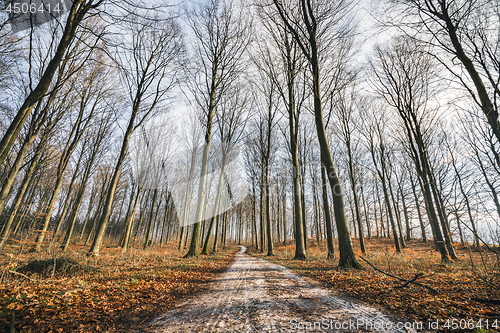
{"points": [[114, 292], [256, 295], [157, 290], [463, 289]]}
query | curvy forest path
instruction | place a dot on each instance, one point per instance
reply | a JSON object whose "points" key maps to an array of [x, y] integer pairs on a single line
{"points": [[255, 295]]}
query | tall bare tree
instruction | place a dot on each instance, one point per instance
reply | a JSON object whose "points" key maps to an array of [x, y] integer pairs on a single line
{"points": [[221, 34], [465, 30], [96, 138], [308, 21], [375, 133], [345, 113], [231, 120], [280, 58], [403, 78], [89, 98], [76, 15], [149, 63]]}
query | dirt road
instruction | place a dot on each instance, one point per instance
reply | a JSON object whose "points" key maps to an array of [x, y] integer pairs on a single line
{"points": [[255, 295]]}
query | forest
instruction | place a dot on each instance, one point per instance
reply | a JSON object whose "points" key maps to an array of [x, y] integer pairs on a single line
{"points": [[152, 151]]}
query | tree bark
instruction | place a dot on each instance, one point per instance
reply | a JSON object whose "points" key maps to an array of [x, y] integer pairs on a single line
{"points": [[328, 220], [417, 204]]}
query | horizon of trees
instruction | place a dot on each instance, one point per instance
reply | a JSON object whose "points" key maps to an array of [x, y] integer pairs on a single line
{"points": [[285, 135]]}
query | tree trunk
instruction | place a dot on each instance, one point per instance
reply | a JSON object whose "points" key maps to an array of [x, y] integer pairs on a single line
{"points": [[284, 215], [462, 241], [316, 215], [270, 248], [467, 204], [130, 223], [187, 199], [431, 213], [78, 201], [14, 170], [106, 213], [381, 172], [417, 204], [195, 238], [129, 209], [75, 16], [328, 220], [72, 219], [407, 220], [277, 218], [300, 248], [304, 216], [224, 231], [375, 216], [443, 219], [485, 101], [396, 213], [347, 256], [384, 234], [391, 218], [254, 216], [262, 212], [148, 235], [368, 228], [493, 191], [352, 179], [89, 210], [62, 214], [216, 209], [63, 164]]}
